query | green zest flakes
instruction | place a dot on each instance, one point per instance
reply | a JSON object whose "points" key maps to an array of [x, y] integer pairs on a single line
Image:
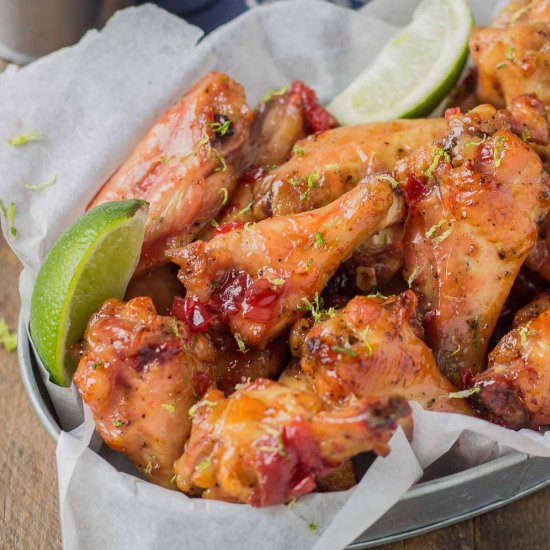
{"points": [[245, 210], [223, 165], [298, 151], [524, 333], [415, 273], [173, 479], [41, 186], [22, 139], [498, 152], [390, 179], [9, 214], [225, 195], [8, 339], [319, 240], [315, 307], [334, 166], [169, 407], [312, 181], [270, 94], [366, 342], [280, 444], [240, 343], [149, 468], [292, 502], [117, 423], [440, 153], [464, 393], [203, 464], [482, 140], [277, 282], [434, 228], [221, 128], [510, 52], [313, 527]]}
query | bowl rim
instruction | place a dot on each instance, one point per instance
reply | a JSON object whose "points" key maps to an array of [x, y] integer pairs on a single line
{"points": [[43, 407]]}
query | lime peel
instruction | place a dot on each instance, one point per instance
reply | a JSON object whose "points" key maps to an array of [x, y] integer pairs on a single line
{"points": [[91, 262], [414, 71]]}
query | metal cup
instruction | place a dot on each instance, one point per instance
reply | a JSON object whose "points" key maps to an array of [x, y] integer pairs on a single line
{"points": [[32, 28]]}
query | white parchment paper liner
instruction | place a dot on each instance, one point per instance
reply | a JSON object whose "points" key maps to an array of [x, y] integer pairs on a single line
{"points": [[93, 102]]}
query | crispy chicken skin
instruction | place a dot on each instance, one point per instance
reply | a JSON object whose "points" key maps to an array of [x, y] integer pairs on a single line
{"points": [[325, 166], [513, 55], [515, 389], [259, 277], [539, 304], [266, 442], [474, 203], [185, 166], [372, 347], [140, 373]]}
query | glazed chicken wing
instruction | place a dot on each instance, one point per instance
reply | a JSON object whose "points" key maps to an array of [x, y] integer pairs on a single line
{"points": [[140, 373], [515, 390], [267, 443], [372, 347], [513, 55], [474, 203], [260, 278], [325, 166], [186, 165], [539, 304]]}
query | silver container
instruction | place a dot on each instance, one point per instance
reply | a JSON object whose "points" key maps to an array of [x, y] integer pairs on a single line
{"points": [[32, 28], [436, 501]]}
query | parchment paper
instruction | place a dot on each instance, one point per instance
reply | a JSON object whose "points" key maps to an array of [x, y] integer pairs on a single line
{"points": [[93, 102]]}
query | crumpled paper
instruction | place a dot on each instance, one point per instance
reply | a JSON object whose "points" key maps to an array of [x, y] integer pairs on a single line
{"points": [[92, 103]]}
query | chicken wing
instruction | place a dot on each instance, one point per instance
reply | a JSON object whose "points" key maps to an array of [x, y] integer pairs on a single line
{"points": [[267, 443], [513, 55], [325, 166], [372, 347], [260, 278], [474, 204], [186, 165], [539, 304], [140, 373], [515, 390]]}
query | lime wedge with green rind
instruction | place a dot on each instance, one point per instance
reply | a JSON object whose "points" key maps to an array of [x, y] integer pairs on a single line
{"points": [[415, 71], [91, 262]]}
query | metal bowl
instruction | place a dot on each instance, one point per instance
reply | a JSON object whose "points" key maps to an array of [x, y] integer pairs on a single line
{"points": [[429, 505]]}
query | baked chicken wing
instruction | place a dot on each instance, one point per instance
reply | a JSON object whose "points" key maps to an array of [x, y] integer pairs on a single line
{"points": [[325, 166], [372, 347], [186, 165], [515, 390], [475, 200], [139, 374], [513, 55], [267, 443], [260, 278]]}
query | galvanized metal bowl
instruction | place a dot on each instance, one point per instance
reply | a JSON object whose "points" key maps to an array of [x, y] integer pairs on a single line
{"points": [[429, 505]]}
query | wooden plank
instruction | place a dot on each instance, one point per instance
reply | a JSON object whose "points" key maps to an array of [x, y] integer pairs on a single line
{"points": [[29, 518]]}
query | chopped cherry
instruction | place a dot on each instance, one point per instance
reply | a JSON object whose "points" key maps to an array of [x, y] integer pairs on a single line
{"points": [[227, 227], [192, 312], [318, 119]]}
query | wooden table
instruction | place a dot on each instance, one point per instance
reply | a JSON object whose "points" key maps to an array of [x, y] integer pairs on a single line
{"points": [[29, 518]]}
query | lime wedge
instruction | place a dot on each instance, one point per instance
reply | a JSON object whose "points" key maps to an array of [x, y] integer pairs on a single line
{"points": [[92, 261], [414, 71]]}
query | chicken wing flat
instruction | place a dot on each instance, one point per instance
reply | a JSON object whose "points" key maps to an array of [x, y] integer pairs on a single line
{"points": [[139, 374], [261, 277], [513, 55], [267, 443], [515, 390], [372, 347], [186, 166], [325, 166], [475, 200]]}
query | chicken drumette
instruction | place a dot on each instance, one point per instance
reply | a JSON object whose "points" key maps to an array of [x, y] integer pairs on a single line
{"points": [[186, 165], [260, 278], [515, 390], [372, 347], [475, 200], [267, 443], [140, 372]]}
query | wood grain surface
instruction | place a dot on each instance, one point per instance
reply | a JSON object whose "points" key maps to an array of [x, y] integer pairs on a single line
{"points": [[29, 518]]}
